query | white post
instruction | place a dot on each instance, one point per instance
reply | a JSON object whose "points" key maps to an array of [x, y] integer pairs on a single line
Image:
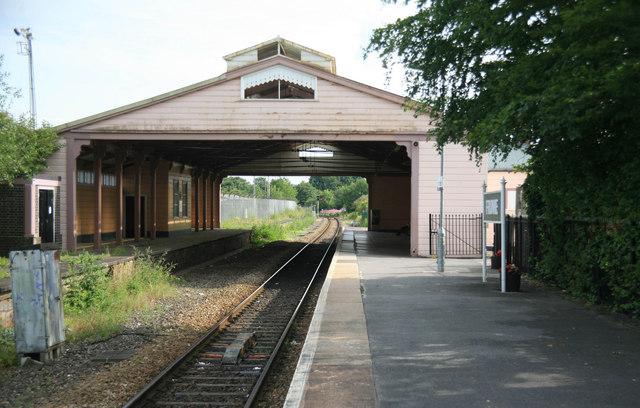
{"points": [[484, 236], [503, 237], [441, 250]]}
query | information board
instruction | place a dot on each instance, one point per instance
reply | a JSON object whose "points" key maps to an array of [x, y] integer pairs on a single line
{"points": [[492, 207]]}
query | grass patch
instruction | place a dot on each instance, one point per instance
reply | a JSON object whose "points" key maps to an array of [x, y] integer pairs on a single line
{"points": [[96, 305], [5, 272], [270, 230], [357, 219], [278, 227], [8, 356]]}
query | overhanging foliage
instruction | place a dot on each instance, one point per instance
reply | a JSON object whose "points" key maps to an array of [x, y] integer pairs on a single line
{"points": [[559, 78]]}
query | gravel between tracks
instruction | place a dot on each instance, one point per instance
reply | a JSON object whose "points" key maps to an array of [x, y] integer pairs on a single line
{"points": [[158, 336]]}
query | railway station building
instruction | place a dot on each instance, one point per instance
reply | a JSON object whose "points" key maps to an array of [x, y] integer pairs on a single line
{"points": [[154, 168]]}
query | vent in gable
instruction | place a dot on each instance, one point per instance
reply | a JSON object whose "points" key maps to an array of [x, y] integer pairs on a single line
{"points": [[279, 82], [278, 48]]}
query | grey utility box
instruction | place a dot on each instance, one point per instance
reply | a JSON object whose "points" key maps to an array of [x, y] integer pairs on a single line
{"points": [[38, 316]]}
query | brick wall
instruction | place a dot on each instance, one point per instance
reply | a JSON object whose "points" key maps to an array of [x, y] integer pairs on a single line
{"points": [[12, 218]]}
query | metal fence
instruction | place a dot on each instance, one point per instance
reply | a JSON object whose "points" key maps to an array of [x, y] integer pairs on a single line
{"points": [[240, 207], [523, 243], [463, 234]]}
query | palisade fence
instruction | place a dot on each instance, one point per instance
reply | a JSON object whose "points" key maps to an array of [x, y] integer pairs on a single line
{"points": [[241, 207], [463, 234], [523, 243]]}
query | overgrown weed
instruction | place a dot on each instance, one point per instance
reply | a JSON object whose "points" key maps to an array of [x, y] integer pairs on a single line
{"points": [[118, 296]]}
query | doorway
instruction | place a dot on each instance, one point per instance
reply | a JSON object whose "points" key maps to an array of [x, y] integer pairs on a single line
{"points": [[45, 223], [129, 216]]}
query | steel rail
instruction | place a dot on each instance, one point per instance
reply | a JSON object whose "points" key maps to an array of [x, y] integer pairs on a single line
{"points": [[282, 338], [147, 390]]}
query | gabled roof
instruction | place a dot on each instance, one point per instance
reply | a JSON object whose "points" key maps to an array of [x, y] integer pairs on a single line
{"points": [[280, 46], [231, 75], [208, 125]]}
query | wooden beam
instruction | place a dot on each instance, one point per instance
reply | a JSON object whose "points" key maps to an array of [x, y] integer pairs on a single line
{"points": [[139, 159], [98, 154], [196, 201], [216, 200], [153, 170], [205, 176], [120, 158]]}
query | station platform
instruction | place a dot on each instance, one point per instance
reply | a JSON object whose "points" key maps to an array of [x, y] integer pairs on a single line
{"points": [[390, 331]]}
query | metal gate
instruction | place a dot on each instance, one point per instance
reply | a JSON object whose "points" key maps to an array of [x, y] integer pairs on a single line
{"points": [[463, 234]]}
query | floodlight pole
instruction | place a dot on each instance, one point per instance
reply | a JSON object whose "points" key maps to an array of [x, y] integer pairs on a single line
{"points": [[441, 248], [26, 33]]}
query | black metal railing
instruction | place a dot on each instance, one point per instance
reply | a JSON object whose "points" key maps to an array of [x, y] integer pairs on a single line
{"points": [[523, 243], [463, 234]]}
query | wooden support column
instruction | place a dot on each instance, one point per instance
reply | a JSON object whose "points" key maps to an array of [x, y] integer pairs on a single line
{"points": [[153, 196], [120, 157], [205, 176], [73, 151], [212, 199], [98, 155], [139, 159], [216, 201], [30, 211], [196, 200]]}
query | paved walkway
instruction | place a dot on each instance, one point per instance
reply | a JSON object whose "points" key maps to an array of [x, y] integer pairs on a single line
{"points": [[450, 340]]}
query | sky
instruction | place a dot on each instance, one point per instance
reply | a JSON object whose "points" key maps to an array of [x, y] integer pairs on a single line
{"points": [[91, 56]]}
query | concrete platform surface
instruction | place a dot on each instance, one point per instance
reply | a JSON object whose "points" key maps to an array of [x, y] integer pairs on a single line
{"points": [[396, 333]]}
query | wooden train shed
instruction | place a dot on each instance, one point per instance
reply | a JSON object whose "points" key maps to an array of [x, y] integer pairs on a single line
{"points": [[154, 168]]}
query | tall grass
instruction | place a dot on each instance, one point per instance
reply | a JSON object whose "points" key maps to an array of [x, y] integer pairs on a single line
{"points": [[115, 298], [270, 230], [4, 267], [8, 356], [278, 227]]}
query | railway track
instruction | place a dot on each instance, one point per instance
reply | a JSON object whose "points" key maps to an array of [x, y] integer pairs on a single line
{"points": [[227, 365]]}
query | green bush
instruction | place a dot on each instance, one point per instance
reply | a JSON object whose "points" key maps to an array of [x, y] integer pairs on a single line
{"points": [[596, 261], [8, 356], [89, 283], [4, 267], [118, 296], [149, 271]]}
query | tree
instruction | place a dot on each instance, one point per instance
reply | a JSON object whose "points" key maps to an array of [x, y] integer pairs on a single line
{"points": [[331, 182], [282, 188], [561, 79], [306, 194], [236, 186], [328, 200], [260, 184], [24, 149], [346, 196]]}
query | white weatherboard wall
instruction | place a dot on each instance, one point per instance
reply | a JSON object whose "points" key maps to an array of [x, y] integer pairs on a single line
{"points": [[462, 188]]}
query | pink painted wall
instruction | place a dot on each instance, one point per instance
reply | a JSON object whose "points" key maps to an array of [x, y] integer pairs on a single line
{"points": [[462, 188]]}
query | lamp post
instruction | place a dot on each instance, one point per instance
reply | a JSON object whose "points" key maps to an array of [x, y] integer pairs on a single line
{"points": [[441, 248], [25, 49]]}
